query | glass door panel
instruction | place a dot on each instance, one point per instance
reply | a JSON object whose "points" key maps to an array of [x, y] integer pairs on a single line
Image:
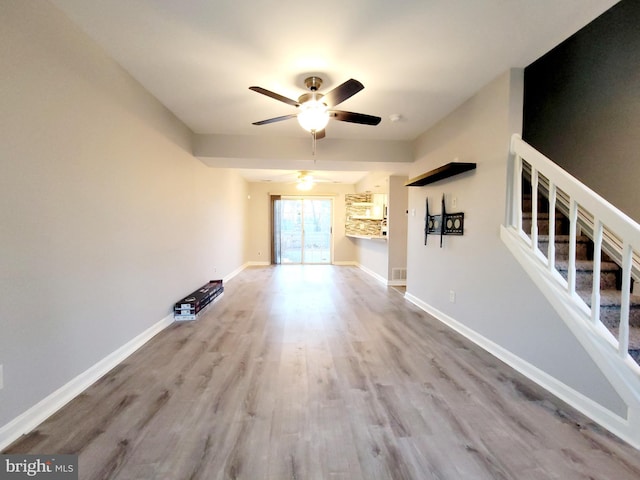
{"points": [[291, 231], [317, 230]]}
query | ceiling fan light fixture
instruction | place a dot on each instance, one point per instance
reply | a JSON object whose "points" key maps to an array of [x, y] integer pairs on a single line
{"points": [[304, 186], [313, 116], [305, 182]]}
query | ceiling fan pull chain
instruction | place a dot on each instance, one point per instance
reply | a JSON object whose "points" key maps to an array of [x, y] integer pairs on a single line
{"points": [[313, 145]]}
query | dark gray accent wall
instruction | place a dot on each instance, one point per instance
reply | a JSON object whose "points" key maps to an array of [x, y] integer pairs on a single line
{"points": [[582, 105]]}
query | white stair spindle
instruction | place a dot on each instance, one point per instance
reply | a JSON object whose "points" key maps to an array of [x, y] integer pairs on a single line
{"points": [[597, 262], [534, 208], [623, 335], [517, 193], [573, 224], [551, 252]]}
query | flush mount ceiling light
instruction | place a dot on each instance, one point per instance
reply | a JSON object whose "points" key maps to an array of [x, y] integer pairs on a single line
{"points": [[305, 181], [315, 109]]}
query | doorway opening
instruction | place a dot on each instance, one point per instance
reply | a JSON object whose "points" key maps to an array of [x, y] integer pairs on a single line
{"points": [[302, 230]]}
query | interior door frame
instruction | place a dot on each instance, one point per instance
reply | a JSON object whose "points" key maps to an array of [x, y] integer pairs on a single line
{"points": [[273, 228]]}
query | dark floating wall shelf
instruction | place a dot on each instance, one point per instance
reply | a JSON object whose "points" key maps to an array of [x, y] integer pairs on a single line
{"points": [[440, 173]]}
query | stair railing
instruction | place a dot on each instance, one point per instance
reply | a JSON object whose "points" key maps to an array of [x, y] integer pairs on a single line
{"points": [[611, 245], [584, 208]]}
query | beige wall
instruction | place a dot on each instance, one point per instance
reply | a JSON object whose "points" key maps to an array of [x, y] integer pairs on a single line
{"points": [[259, 241], [252, 151], [106, 217], [494, 296], [398, 203]]}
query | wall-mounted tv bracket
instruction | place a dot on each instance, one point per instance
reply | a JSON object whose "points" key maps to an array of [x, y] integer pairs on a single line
{"points": [[445, 223]]}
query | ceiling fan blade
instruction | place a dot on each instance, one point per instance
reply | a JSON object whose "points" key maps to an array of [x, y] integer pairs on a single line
{"points": [[342, 92], [320, 134], [276, 119], [355, 117], [274, 95]]}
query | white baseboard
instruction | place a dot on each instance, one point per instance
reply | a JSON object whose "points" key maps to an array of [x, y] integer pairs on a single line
{"points": [[609, 420], [35, 415], [348, 263], [234, 273], [370, 272], [380, 278], [257, 264]]}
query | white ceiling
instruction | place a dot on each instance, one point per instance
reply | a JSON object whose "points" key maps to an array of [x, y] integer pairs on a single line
{"points": [[416, 58]]}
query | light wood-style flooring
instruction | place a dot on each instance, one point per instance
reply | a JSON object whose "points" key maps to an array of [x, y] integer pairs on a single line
{"points": [[321, 372]]}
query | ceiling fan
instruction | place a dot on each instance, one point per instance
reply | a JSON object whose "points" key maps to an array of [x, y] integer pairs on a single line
{"points": [[315, 109], [303, 179]]}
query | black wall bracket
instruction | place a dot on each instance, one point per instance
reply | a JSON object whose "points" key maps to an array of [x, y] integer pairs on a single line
{"points": [[444, 224]]}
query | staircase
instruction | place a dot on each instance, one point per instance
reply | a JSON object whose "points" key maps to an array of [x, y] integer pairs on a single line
{"points": [[583, 254], [610, 272]]}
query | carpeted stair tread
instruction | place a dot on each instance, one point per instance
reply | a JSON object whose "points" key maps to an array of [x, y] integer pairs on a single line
{"points": [[584, 274], [634, 341], [610, 301], [586, 266], [610, 298], [634, 338], [541, 215], [543, 223], [564, 238]]}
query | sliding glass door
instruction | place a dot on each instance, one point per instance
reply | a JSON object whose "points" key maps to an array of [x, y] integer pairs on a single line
{"points": [[302, 230]]}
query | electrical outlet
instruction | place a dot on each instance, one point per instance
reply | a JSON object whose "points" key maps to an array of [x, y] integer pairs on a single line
{"points": [[452, 296], [259, 253], [1, 378]]}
